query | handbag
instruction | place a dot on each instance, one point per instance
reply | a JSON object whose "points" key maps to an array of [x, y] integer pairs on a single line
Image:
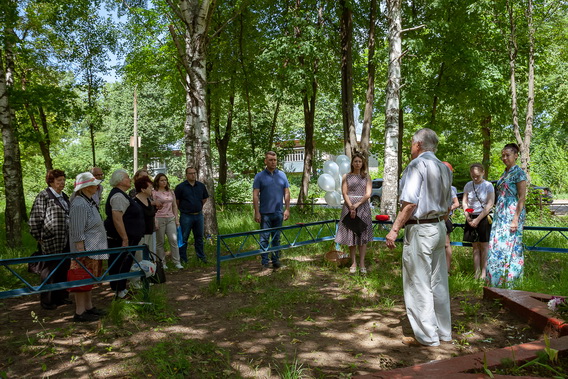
{"points": [[160, 274], [337, 257], [35, 267], [78, 274], [489, 219]]}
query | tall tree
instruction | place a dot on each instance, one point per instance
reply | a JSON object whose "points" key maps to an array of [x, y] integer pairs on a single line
{"points": [[389, 197], [346, 36], [11, 168], [191, 39]]}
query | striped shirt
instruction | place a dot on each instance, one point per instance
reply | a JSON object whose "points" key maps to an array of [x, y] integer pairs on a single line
{"points": [[86, 224]]}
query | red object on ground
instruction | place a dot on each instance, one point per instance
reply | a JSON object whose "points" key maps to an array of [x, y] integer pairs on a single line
{"points": [[382, 217], [469, 210]]}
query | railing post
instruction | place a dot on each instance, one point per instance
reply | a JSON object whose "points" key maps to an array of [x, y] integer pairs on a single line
{"points": [[218, 260]]}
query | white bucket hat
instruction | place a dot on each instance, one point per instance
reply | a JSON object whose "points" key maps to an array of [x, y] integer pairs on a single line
{"points": [[85, 179]]}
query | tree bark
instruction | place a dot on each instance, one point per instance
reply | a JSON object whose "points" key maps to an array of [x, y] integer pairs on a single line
{"points": [[11, 168], [191, 47], [524, 143], [223, 145], [370, 95], [309, 146], [346, 32], [309, 102], [486, 144], [389, 197]]}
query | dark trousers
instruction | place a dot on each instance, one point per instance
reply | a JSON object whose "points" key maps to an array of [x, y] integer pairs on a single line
{"points": [[56, 297], [122, 265]]}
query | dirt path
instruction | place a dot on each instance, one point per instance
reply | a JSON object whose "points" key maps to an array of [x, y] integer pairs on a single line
{"points": [[331, 334]]}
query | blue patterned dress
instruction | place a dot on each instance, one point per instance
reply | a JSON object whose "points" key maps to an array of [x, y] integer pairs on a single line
{"points": [[505, 260]]}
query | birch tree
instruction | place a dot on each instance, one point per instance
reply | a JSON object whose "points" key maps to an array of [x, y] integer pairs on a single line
{"points": [[391, 175], [12, 167], [191, 41]]}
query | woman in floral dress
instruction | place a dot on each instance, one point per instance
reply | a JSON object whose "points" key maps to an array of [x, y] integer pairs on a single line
{"points": [[506, 259], [356, 188]]}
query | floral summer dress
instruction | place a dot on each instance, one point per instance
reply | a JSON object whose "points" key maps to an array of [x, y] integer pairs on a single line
{"points": [[505, 260], [356, 187]]}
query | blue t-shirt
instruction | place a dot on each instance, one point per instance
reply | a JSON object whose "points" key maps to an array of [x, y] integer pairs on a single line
{"points": [[271, 186], [191, 197]]}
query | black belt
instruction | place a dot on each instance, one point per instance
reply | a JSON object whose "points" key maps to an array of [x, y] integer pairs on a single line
{"points": [[192, 214], [425, 221]]}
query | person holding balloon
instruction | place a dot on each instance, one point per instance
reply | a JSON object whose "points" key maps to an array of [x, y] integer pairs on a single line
{"points": [[356, 188]]}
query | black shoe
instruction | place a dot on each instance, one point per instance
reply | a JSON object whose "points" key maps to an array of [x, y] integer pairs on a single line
{"points": [[85, 317], [266, 266], [96, 311], [49, 307], [276, 265]]}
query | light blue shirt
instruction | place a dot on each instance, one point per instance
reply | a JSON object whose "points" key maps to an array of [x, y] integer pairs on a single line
{"points": [[426, 182]]}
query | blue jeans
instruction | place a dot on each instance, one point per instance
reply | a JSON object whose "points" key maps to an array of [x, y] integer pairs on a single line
{"points": [[192, 223], [270, 220]]}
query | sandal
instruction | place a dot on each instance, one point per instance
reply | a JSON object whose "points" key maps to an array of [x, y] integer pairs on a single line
{"points": [[363, 270], [352, 269]]}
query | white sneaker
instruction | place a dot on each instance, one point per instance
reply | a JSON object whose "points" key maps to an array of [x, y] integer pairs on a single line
{"points": [[122, 294], [179, 266]]}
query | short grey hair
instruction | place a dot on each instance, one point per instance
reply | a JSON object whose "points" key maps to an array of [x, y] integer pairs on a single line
{"points": [[117, 177], [427, 138]]}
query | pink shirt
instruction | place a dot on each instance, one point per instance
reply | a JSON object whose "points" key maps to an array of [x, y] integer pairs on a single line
{"points": [[166, 198]]}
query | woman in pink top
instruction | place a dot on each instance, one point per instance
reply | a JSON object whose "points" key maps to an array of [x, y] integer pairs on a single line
{"points": [[167, 219]]}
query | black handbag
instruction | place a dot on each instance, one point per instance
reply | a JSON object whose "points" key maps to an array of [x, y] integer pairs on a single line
{"points": [[160, 274], [35, 267]]}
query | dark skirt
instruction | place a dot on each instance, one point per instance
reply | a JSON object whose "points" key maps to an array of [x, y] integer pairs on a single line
{"points": [[479, 234]]}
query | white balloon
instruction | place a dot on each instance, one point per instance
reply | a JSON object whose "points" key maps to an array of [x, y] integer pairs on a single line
{"points": [[331, 168], [333, 198], [344, 167], [342, 158], [326, 182], [338, 183]]}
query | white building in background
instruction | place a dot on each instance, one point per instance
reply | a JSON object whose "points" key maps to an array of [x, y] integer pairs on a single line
{"points": [[294, 162]]}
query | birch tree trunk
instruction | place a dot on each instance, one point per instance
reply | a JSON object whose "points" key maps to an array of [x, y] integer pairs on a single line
{"points": [[191, 46], [346, 31], [370, 95], [389, 197], [11, 168]]}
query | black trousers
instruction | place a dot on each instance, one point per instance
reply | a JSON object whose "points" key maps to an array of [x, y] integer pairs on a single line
{"points": [[122, 265], [56, 297]]}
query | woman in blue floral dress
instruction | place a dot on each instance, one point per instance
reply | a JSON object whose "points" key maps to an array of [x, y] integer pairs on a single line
{"points": [[506, 259]]}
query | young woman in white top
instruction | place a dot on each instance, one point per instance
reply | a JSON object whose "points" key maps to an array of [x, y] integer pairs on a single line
{"points": [[167, 219], [478, 199]]}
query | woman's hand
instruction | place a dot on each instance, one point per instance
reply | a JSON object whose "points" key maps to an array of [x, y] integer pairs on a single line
{"points": [[514, 225], [352, 213]]}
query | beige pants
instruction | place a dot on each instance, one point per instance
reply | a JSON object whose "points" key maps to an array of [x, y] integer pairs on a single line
{"points": [[167, 227], [425, 282]]}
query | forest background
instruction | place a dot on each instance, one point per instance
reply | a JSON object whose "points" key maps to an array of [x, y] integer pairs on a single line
{"points": [[218, 83]]}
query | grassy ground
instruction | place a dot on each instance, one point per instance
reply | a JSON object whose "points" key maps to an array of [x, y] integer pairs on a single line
{"points": [[293, 300]]}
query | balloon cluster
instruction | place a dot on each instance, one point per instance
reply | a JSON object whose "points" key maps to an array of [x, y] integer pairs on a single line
{"points": [[330, 180]]}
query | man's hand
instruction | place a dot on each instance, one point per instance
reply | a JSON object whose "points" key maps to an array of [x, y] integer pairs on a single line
{"points": [[257, 217], [286, 214], [390, 238]]}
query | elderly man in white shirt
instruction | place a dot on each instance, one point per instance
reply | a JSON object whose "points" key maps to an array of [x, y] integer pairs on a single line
{"points": [[426, 199]]}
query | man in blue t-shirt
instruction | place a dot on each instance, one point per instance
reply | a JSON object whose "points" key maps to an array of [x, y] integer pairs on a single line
{"points": [[191, 195], [269, 187]]}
